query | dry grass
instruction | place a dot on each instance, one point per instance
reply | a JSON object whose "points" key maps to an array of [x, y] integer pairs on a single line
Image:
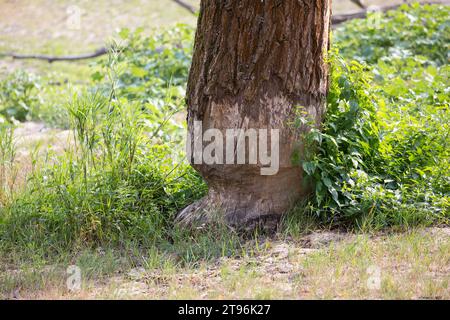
{"points": [[34, 145], [413, 265]]}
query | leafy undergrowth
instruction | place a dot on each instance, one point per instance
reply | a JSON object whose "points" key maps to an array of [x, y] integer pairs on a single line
{"points": [[381, 160]]}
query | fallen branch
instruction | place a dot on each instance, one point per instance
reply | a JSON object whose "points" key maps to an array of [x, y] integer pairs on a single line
{"points": [[50, 59], [187, 6], [341, 18]]}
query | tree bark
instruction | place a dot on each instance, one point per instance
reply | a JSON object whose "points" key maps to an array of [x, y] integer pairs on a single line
{"points": [[254, 63]]}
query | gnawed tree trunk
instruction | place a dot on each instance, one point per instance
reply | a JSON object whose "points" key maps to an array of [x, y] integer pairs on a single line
{"points": [[254, 63]]}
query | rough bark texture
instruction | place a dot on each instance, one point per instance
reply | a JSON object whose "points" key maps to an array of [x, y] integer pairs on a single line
{"points": [[254, 63]]}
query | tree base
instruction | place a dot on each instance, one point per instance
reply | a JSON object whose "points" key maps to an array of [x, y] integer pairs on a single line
{"points": [[206, 212], [246, 203]]}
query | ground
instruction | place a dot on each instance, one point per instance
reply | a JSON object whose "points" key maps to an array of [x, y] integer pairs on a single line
{"points": [[321, 264]]}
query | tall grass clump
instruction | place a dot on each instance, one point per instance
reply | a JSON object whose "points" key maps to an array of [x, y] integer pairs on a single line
{"points": [[153, 72], [8, 170], [122, 179], [115, 184]]}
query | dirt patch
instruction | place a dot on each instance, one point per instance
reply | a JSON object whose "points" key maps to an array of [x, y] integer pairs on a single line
{"points": [[35, 144], [318, 240]]}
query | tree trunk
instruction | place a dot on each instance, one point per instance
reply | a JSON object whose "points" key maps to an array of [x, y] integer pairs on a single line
{"points": [[255, 63]]}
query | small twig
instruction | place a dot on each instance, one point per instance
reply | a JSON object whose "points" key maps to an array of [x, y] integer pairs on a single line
{"points": [[359, 4], [187, 6]]}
